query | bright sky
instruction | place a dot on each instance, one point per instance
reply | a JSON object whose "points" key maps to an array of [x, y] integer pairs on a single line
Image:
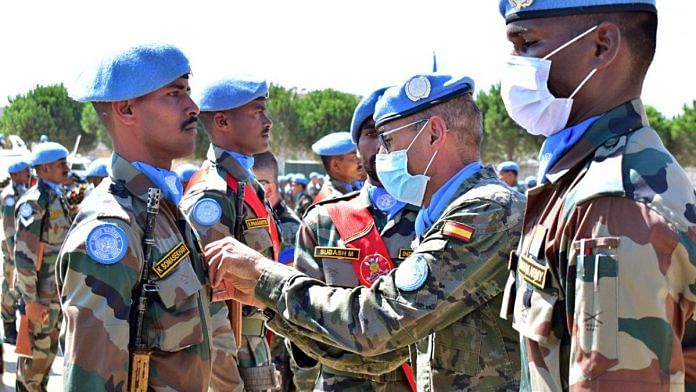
{"points": [[352, 46]]}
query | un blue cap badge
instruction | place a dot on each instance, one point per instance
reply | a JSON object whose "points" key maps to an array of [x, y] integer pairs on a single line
{"points": [[519, 4], [207, 212], [412, 273], [417, 88], [26, 211], [107, 244]]}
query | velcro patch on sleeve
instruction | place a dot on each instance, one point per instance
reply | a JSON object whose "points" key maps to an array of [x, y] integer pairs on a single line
{"points": [[457, 230], [168, 262]]}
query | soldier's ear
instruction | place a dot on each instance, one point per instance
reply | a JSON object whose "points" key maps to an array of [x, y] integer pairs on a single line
{"points": [[220, 119], [437, 129], [123, 112]]}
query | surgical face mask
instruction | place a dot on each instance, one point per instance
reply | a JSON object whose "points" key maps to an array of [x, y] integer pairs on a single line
{"points": [[392, 170], [525, 92]]}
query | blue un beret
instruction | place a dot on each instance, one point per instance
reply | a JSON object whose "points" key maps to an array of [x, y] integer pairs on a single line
{"points": [[365, 109], [185, 171], [530, 181], [99, 168], [508, 166], [18, 165], [418, 93], [299, 178], [337, 143], [229, 93], [513, 10], [48, 152], [131, 73], [313, 175]]}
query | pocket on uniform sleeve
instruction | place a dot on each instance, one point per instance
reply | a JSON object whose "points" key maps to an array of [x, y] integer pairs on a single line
{"points": [[533, 312], [595, 343]]}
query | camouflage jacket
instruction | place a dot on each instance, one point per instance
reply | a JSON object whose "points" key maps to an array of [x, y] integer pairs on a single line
{"points": [[99, 273], [318, 230], [41, 216], [334, 188], [289, 224], [460, 343], [302, 202], [8, 198], [607, 264]]}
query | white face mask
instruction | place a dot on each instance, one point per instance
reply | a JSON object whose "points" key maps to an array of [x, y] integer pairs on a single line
{"points": [[525, 92]]}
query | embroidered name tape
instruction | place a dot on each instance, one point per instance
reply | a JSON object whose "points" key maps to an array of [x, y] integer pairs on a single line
{"points": [[532, 271], [404, 253], [255, 223], [330, 252], [168, 262]]}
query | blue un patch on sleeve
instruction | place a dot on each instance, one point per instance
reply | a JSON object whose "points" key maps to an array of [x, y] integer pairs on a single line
{"points": [[26, 211], [107, 244], [207, 212], [412, 273]]}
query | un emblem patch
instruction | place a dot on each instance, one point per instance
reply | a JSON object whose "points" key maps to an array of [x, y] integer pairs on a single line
{"points": [[107, 244], [519, 4], [412, 273], [207, 212]]}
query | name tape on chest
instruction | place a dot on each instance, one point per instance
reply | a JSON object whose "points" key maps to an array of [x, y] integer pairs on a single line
{"points": [[331, 252], [168, 262], [55, 214], [404, 253], [532, 271], [457, 230], [256, 223], [107, 244]]}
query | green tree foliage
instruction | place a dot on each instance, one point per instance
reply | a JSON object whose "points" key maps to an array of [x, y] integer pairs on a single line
{"points": [[503, 139], [683, 132], [47, 110], [92, 125], [282, 108]]}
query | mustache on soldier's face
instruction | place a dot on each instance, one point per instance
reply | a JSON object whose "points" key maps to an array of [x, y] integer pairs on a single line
{"points": [[189, 121]]}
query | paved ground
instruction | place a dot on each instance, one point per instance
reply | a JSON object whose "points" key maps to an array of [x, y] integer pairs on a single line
{"points": [[8, 378]]}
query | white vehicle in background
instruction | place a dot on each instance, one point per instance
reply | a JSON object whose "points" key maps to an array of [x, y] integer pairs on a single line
{"points": [[14, 148]]}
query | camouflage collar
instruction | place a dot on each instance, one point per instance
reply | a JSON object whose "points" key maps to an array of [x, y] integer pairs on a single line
{"points": [[224, 160], [619, 121], [341, 186], [125, 174], [45, 188]]}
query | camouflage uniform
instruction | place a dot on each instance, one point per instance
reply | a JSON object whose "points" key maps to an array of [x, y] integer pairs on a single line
{"points": [[319, 230], [605, 273], [302, 202], [458, 341], [98, 298], [334, 188], [8, 198], [254, 357], [41, 217]]}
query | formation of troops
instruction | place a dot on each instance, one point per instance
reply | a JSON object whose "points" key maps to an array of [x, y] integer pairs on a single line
{"points": [[409, 265]]}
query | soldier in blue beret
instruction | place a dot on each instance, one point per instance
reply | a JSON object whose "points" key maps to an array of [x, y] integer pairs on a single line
{"points": [[225, 199], [338, 154], [185, 172], [42, 221], [97, 171], [442, 299], [302, 200], [604, 287], [43, 139], [508, 172], [20, 176], [141, 95]]}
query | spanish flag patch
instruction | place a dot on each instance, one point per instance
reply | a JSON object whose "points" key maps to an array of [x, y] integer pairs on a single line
{"points": [[459, 231]]}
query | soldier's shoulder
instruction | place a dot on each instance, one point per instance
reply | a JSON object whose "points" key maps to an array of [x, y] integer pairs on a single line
{"points": [[35, 199], [317, 208], [487, 188], [7, 191], [108, 201], [207, 179]]}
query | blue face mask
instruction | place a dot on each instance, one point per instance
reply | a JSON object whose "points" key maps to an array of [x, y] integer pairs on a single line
{"points": [[392, 170]]}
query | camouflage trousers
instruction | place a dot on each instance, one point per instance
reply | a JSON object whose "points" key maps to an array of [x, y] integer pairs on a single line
{"points": [[330, 380], [32, 373], [281, 361], [9, 296], [225, 375], [303, 378], [255, 364]]}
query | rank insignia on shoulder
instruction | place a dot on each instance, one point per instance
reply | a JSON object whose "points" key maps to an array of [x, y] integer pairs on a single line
{"points": [[333, 252], [168, 262], [457, 230], [412, 273], [207, 212], [10, 201], [107, 244], [404, 253], [26, 211], [255, 223]]}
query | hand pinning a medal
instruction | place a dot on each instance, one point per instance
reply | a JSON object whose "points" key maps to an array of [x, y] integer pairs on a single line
{"points": [[235, 267]]}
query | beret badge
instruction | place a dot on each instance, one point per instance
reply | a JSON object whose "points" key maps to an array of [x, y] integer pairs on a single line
{"points": [[519, 4], [418, 88]]}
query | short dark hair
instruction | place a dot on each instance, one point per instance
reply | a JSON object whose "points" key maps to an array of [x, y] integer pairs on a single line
{"points": [[326, 160], [267, 162], [463, 118]]}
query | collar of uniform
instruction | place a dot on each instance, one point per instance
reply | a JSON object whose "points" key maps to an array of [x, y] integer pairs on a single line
{"points": [[226, 161], [134, 180], [619, 121], [18, 190], [341, 186], [47, 186]]}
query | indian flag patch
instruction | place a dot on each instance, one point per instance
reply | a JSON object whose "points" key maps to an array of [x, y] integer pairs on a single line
{"points": [[459, 231]]}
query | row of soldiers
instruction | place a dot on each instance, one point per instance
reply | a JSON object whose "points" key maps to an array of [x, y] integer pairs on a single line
{"points": [[446, 279]]}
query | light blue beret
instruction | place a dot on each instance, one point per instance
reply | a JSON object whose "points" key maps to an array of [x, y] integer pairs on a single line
{"points": [[418, 93], [229, 93], [99, 168], [130, 73], [18, 165], [513, 10], [508, 166], [365, 109], [313, 175], [299, 178], [185, 171], [43, 139], [530, 181], [48, 152], [337, 143]]}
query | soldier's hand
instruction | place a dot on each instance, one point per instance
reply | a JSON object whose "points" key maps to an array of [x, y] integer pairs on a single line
{"points": [[236, 263], [36, 312]]}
